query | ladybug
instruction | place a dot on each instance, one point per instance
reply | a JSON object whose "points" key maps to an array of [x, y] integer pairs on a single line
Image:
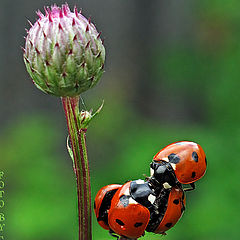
{"points": [[127, 217], [180, 162], [102, 204], [174, 209], [138, 206]]}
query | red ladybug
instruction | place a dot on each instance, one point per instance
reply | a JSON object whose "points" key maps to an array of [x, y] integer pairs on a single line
{"points": [[102, 203], [175, 208], [138, 206], [127, 217], [186, 160]]}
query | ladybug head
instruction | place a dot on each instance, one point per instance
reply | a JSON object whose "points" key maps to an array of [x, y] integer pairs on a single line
{"points": [[163, 174]]}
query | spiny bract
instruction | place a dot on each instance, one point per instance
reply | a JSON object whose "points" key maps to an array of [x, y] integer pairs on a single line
{"points": [[64, 54]]}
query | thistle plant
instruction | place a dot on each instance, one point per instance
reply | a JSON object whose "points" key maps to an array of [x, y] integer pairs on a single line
{"points": [[64, 56]]}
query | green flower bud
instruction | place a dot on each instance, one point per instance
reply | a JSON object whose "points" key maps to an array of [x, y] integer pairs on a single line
{"points": [[64, 54]]}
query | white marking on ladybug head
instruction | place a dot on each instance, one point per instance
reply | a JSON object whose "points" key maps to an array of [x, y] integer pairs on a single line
{"points": [[132, 201], [151, 198], [151, 172], [127, 192], [165, 159], [166, 185], [139, 181], [173, 166]]}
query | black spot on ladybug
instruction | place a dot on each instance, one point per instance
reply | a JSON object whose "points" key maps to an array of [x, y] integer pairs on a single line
{"points": [[138, 224], [195, 157], [176, 201], [168, 225], [94, 205], [124, 200], [121, 223], [173, 158], [206, 160], [193, 174]]}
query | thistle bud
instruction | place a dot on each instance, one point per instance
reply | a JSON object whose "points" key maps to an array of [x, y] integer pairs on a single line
{"points": [[64, 54]]}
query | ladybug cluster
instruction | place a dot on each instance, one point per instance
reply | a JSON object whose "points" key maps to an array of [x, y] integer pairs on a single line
{"points": [[156, 203]]}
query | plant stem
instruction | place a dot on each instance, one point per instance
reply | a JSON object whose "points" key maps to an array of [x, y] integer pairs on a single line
{"points": [[77, 136]]}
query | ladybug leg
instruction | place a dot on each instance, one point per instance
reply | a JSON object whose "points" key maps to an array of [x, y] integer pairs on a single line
{"points": [[147, 178], [190, 188], [113, 234]]}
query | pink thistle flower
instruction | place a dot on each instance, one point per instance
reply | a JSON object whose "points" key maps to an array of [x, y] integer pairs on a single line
{"points": [[63, 53]]}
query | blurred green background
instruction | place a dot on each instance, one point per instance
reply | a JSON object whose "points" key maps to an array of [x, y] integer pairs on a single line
{"points": [[172, 73]]}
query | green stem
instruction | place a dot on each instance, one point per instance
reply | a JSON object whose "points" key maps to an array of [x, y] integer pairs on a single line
{"points": [[77, 136]]}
